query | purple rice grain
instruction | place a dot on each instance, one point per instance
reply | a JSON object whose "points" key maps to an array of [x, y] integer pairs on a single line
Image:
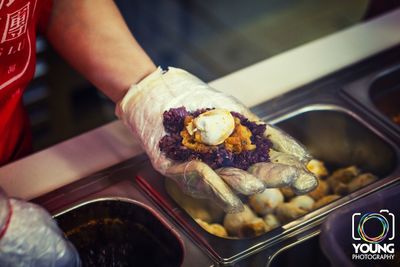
{"points": [[171, 143]]}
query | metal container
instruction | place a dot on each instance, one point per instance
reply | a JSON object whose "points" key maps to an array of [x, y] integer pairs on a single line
{"points": [[309, 250], [120, 232], [114, 191], [333, 134], [340, 138], [378, 93], [339, 121]]}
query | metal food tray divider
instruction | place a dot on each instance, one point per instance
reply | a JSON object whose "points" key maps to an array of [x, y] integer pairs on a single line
{"points": [[230, 251], [327, 96], [365, 91], [331, 100]]}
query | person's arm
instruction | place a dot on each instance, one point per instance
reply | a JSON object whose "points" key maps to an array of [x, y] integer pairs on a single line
{"points": [[94, 38], [92, 35]]}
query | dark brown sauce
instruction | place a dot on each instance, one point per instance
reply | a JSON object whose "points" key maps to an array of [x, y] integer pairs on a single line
{"points": [[117, 242], [389, 104]]}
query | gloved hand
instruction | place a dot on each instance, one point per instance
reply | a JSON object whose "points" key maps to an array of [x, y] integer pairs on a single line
{"points": [[142, 110], [30, 237]]}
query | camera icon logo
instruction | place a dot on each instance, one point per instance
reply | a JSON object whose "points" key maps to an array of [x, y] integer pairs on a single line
{"points": [[385, 220]]}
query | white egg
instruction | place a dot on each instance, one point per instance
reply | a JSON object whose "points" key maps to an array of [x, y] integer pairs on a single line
{"points": [[214, 126]]}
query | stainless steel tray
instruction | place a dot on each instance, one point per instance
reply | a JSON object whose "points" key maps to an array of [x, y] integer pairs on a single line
{"points": [[378, 93], [334, 134], [116, 183], [334, 119], [120, 232]]}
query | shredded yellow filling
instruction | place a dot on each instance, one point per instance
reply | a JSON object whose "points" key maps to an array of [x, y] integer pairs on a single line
{"points": [[238, 141]]}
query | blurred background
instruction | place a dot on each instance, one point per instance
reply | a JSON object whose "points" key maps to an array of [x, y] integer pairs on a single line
{"points": [[208, 38]]}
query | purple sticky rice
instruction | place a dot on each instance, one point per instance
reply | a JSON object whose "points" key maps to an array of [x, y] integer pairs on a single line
{"points": [[171, 143]]}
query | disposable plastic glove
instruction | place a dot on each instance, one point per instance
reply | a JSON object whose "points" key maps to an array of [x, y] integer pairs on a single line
{"points": [[142, 110], [30, 237]]}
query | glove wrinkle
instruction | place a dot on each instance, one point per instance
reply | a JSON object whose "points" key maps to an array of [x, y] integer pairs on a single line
{"points": [[274, 175], [142, 108], [304, 181], [241, 181], [199, 180], [282, 142]]}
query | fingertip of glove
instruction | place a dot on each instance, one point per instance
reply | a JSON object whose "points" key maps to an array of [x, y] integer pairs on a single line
{"points": [[234, 208], [306, 182]]}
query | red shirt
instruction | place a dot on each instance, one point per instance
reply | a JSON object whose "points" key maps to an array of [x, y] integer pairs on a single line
{"points": [[19, 20]]}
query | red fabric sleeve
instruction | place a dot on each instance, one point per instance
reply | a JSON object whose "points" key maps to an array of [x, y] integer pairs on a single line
{"points": [[45, 12]]}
